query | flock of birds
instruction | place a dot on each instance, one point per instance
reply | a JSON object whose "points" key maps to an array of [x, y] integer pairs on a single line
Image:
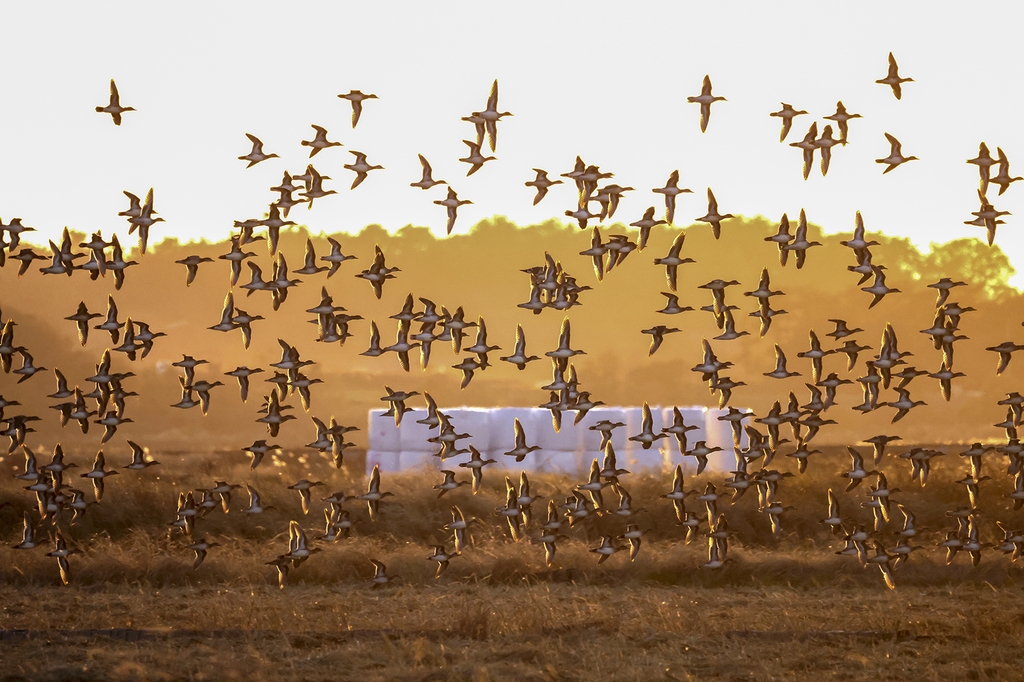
{"points": [[551, 286]]}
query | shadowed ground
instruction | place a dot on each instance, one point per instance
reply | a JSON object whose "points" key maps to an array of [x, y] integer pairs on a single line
{"points": [[529, 632]]}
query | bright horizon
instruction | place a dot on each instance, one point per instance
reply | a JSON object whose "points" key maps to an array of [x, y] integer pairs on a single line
{"points": [[588, 80]]}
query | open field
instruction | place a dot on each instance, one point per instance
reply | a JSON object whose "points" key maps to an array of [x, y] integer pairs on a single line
{"points": [[789, 608], [743, 452], [538, 631]]}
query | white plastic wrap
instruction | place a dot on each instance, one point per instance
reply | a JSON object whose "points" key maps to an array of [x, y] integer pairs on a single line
{"points": [[569, 451], [566, 440], [382, 434], [476, 421], [558, 462], [410, 460], [389, 462], [413, 437]]}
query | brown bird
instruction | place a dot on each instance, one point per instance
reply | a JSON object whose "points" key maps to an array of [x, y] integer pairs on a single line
{"points": [[114, 108], [357, 98], [892, 78]]}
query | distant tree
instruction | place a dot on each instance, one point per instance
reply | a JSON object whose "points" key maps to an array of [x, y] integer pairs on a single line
{"points": [[979, 265]]}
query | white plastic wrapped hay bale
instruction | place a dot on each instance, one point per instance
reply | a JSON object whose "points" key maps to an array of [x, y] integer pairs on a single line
{"points": [[388, 461], [634, 418], [669, 456], [382, 434], [559, 462], [642, 461], [413, 437], [476, 421], [650, 461], [586, 458], [559, 451], [411, 460], [567, 439]]}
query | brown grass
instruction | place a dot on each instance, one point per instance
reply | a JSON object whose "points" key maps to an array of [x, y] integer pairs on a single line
{"points": [[459, 631], [499, 612]]}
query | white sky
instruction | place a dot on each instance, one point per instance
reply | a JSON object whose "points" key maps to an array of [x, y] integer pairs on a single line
{"points": [[596, 79]]}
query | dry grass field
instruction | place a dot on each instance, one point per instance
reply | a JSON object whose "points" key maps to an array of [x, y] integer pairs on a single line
{"points": [[786, 609], [465, 630]]}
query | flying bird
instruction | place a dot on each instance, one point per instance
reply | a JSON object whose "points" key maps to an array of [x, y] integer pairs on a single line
{"points": [[541, 183], [360, 167], [787, 113], [357, 98], [895, 157], [114, 108], [452, 203], [892, 78], [319, 142], [257, 154], [705, 99], [426, 181]]}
